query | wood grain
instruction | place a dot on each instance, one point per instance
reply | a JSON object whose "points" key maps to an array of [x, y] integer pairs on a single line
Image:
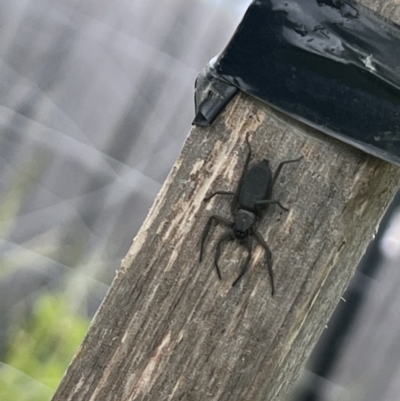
{"points": [[170, 330]]}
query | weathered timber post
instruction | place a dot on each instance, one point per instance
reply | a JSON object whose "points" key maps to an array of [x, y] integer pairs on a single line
{"points": [[170, 330]]}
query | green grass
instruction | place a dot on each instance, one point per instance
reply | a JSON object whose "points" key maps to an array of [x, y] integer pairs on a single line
{"points": [[40, 350]]}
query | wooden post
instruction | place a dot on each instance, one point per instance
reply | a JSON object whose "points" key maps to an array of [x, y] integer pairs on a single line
{"points": [[170, 330]]}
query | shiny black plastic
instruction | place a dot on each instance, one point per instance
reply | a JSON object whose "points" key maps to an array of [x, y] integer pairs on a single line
{"points": [[333, 64], [211, 95]]}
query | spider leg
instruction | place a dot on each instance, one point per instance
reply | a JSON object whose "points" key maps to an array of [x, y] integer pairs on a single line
{"points": [[246, 262], [235, 193], [281, 164], [245, 168], [246, 164], [227, 236], [262, 242], [207, 198], [268, 202], [207, 230]]}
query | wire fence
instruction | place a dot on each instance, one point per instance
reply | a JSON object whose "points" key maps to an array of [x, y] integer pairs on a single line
{"points": [[96, 102]]}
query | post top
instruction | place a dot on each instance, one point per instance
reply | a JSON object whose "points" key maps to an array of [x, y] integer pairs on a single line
{"points": [[332, 64]]}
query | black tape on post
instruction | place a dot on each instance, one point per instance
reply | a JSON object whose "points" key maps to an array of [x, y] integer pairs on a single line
{"points": [[332, 64]]}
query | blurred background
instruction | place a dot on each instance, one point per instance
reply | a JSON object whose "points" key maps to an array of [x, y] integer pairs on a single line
{"points": [[96, 100]]}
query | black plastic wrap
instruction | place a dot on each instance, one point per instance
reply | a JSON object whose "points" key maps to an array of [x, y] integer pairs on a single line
{"points": [[211, 96], [332, 64]]}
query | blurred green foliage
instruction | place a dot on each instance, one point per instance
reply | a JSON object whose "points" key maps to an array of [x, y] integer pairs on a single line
{"points": [[41, 342], [40, 350]]}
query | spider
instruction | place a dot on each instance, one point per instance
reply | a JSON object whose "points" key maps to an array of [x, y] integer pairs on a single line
{"points": [[250, 201]]}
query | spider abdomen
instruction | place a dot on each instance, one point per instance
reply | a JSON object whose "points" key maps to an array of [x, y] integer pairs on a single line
{"points": [[256, 186]]}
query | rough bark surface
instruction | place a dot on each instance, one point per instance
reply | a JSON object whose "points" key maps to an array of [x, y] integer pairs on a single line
{"points": [[170, 330]]}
